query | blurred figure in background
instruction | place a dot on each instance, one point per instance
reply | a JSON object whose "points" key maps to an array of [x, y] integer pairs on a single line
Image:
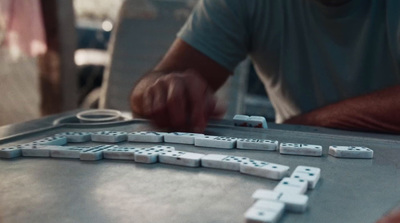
{"points": [[23, 27]]}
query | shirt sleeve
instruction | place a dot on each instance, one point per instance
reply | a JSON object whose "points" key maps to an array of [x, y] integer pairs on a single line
{"points": [[217, 28]]}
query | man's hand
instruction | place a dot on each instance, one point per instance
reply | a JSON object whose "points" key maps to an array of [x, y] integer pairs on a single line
{"points": [[179, 92], [181, 101], [378, 111], [392, 217]]}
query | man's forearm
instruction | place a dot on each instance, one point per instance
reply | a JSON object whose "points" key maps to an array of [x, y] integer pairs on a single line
{"points": [[377, 111], [179, 92]]}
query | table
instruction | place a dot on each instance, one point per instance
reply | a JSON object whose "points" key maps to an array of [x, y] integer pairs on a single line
{"points": [[66, 190]]}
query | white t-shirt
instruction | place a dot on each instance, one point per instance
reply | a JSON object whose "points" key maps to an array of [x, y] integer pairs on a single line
{"points": [[308, 55]]}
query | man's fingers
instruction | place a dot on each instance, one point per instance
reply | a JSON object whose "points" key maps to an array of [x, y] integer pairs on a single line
{"points": [[176, 103], [147, 103], [159, 99], [182, 101], [159, 112]]}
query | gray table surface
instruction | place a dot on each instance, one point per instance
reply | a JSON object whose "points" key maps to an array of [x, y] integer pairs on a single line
{"points": [[68, 190]]}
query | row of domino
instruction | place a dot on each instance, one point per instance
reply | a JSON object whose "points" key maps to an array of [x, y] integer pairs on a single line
{"points": [[232, 142], [215, 142], [53, 147], [288, 195]]}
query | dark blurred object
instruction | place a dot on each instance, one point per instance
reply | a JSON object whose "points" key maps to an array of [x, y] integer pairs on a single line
{"points": [[94, 35], [91, 57], [57, 70]]}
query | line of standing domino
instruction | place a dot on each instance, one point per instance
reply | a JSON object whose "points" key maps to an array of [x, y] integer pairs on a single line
{"points": [[243, 143], [288, 195], [54, 147], [206, 141]]}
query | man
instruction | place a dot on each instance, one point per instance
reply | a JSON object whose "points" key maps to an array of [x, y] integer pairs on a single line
{"points": [[332, 63]]}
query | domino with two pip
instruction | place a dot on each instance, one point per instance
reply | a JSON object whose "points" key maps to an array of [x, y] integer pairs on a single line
{"points": [[300, 149], [292, 186], [357, 152]]}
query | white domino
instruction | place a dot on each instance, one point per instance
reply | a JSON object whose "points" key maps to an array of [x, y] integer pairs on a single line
{"points": [[265, 195], [95, 153], [147, 155], [76, 136], [351, 152], [146, 137], [269, 205], [264, 169], [257, 122], [54, 140], [180, 158], [10, 152], [264, 211], [257, 144], [181, 137], [300, 149], [160, 149], [120, 153], [28, 145], [72, 152], [311, 174], [240, 120], [293, 202], [109, 136], [35, 150], [291, 186], [223, 162], [150, 155], [216, 142]]}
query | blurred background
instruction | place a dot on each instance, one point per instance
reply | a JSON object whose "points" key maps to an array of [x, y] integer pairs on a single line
{"points": [[96, 51]]}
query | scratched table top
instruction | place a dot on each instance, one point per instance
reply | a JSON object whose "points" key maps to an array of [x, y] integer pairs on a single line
{"points": [[69, 190]]}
